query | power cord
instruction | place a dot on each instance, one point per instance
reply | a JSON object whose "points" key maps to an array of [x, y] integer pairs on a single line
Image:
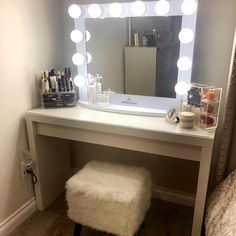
{"points": [[35, 179]]}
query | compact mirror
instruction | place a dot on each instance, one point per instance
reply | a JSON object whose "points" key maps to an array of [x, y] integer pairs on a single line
{"points": [[141, 49]]}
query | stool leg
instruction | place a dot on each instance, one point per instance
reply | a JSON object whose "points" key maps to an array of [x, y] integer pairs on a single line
{"points": [[77, 229]]}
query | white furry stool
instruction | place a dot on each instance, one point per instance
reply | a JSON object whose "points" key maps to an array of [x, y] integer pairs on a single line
{"points": [[109, 197]]}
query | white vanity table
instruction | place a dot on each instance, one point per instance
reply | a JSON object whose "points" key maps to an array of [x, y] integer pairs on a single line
{"points": [[49, 132]]}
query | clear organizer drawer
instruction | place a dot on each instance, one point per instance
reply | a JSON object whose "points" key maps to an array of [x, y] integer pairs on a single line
{"points": [[58, 99]]}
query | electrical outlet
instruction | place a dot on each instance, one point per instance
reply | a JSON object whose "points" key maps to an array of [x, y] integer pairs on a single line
{"points": [[24, 167]]}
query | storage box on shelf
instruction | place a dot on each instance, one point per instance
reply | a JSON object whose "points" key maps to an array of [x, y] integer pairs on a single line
{"points": [[58, 99], [204, 102]]}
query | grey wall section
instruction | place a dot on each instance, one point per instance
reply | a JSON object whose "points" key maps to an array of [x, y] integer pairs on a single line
{"points": [[30, 40], [213, 45]]}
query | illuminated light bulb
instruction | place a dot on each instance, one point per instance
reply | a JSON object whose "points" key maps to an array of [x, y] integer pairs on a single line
{"points": [[94, 10], [79, 81], [78, 59], [89, 57], [115, 9], [76, 36], [186, 35], [74, 11], [184, 63], [138, 8], [88, 36], [182, 88], [162, 8], [188, 7]]}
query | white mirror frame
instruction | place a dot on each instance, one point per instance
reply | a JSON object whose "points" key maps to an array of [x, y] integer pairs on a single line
{"points": [[186, 50]]}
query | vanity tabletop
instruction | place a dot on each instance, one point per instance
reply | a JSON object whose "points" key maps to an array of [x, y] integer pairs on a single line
{"points": [[94, 119]]}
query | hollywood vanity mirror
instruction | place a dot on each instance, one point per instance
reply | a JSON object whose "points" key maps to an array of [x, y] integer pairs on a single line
{"points": [[141, 50]]}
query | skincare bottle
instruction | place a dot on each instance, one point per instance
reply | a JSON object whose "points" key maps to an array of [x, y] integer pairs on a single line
{"points": [[63, 83], [98, 83], [92, 90], [59, 81], [45, 84], [70, 79], [67, 80], [49, 82], [53, 80]]}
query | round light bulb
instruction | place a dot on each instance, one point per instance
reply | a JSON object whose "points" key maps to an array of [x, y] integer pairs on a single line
{"points": [[89, 57], [78, 59], [184, 63], [188, 7], [162, 8], [138, 8], [115, 9], [186, 35], [79, 81], [94, 10], [74, 11], [88, 36], [76, 36], [182, 88]]}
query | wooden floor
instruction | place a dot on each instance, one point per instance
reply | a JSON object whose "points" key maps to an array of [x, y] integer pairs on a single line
{"points": [[163, 219]]}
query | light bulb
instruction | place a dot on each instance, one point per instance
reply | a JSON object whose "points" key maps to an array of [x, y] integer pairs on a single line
{"points": [[188, 7], [78, 59], [88, 36], [115, 9], [182, 88], [89, 57], [184, 63], [186, 35], [76, 36], [138, 8], [74, 11], [79, 81], [162, 8], [94, 10]]}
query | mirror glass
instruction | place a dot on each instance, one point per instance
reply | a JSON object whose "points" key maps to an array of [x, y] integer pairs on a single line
{"points": [[136, 56]]}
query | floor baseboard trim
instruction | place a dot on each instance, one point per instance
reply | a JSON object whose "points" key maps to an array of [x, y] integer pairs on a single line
{"points": [[170, 195], [18, 217]]}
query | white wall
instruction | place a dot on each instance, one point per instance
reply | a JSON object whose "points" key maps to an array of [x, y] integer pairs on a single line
{"points": [[30, 41]]}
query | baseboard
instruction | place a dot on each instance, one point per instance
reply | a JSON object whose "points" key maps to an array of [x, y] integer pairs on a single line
{"points": [[170, 195], [18, 217]]}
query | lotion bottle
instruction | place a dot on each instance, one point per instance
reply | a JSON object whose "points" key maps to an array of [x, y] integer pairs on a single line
{"points": [[92, 90]]}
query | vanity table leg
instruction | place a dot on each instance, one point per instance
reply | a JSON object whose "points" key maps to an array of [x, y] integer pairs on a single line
{"points": [[52, 165], [203, 177]]}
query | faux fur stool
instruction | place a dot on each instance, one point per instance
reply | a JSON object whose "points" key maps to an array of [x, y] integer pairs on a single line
{"points": [[109, 197]]}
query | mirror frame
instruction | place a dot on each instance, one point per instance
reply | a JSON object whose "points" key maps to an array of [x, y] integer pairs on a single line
{"points": [[186, 50]]}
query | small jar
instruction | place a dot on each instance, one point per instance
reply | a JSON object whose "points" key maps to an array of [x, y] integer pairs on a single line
{"points": [[186, 120]]}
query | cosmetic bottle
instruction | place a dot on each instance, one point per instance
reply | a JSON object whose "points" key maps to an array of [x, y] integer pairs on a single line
{"points": [[63, 83], [49, 81], [45, 84], [70, 79], [53, 80], [92, 90], [59, 81], [67, 80]]}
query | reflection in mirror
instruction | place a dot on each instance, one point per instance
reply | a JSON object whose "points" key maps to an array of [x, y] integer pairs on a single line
{"points": [[136, 55]]}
